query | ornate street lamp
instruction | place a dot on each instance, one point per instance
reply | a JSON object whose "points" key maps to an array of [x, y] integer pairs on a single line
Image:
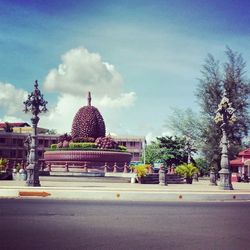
{"points": [[35, 104], [225, 116]]}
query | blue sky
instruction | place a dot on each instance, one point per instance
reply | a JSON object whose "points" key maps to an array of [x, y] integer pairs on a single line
{"points": [[139, 58]]}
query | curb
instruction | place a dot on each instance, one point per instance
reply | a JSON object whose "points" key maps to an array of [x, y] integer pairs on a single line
{"points": [[122, 195]]}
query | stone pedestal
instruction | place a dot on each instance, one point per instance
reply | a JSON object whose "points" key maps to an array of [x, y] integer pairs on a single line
{"points": [[213, 179], [162, 177], [225, 179]]}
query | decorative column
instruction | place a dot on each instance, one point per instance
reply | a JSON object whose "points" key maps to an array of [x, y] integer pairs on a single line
{"points": [[224, 116], [35, 104]]}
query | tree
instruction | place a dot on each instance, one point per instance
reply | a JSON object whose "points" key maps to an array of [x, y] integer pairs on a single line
{"points": [[237, 88], [214, 81], [152, 153], [168, 149], [51, 132], [185, 123], [172, 149], [203, 166]]}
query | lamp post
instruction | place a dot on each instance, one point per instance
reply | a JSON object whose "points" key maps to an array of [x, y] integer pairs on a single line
{"points": [[144, 151], [225, 116], [35, 104]]}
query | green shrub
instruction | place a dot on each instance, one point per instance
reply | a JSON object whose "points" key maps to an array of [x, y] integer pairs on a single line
{"points": [[122, 148], [3, 164], [140, 170], [82, 145], [186, 170]]}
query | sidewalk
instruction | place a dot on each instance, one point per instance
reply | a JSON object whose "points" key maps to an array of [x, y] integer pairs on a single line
{"points": [[118, 188]]}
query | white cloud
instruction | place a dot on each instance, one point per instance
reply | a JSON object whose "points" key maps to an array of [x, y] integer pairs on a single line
{"points": [[11, 98], [61, 116], [82, 71], [8, 118], [157, 132], [124, 100]]}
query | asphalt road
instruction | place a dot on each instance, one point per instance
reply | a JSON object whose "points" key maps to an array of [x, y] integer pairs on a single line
{"points": [[58, 224]]}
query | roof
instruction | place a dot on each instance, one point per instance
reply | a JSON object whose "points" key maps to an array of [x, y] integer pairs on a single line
{"points": [[245, 152], [236, 162], [14, 124], [128, 138]]}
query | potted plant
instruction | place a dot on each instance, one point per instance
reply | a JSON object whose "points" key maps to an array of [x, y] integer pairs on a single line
{"points": [[19, 173], [5, 174], [141, 171], [3, 164], [187, 170]]}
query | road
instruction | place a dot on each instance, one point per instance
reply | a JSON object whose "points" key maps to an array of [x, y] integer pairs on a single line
{"points": [[58, 224]]}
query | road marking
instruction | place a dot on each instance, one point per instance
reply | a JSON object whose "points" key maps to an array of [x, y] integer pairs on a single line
{"points": [[29, 193]]}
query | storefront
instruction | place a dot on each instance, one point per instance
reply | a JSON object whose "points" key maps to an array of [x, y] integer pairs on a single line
{"points": [[241, 166]]}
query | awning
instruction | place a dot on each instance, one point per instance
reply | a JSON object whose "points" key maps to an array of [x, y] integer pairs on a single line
{"points": [[236, 162], [245, 152]]}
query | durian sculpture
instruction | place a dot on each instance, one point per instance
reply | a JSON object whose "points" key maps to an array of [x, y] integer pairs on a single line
{"points": [[88, 124]]}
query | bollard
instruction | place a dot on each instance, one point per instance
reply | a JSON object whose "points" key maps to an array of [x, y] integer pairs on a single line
{"points": [[213, 181], [162, 176]]}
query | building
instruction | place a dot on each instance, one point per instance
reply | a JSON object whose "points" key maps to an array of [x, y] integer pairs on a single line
{"points": [[20, 127], [241, 166], [12, 146], [134, 144]]}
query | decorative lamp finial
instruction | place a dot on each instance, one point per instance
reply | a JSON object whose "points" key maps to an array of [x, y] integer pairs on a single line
{"points": [[89, 99], [36, 84]]}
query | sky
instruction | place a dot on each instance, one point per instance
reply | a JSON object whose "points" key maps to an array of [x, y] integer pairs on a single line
{"points": [[139, 59]]}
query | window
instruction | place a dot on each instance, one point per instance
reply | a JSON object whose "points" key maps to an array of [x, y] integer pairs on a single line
{"points": [[2, 140], [20, 142], [40, 142], [132, 144], [12, 153], [20, 154], [40, 154], [136, 154]]}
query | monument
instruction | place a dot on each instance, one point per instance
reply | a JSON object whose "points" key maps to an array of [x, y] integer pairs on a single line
{"points": [[87, 149]]}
